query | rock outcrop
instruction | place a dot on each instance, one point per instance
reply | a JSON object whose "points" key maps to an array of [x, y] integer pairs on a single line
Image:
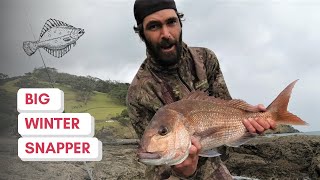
{"points": [[287, 157]]}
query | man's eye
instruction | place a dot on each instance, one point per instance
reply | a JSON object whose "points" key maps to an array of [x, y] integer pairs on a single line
{"points": [[172, 22], [153, 27]]}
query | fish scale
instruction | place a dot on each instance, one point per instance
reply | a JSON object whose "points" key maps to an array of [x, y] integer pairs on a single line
{"points": [[212, 121], [229, 126]]}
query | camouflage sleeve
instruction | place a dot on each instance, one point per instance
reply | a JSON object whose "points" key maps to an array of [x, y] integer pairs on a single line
{"points": [[139, 118], [139, 114], [217, 84], [213, 169]]}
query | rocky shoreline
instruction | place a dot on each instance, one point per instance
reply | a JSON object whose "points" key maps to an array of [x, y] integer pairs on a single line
{"points": [[287, 157]]}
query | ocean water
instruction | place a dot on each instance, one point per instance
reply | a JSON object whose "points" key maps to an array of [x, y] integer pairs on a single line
{"points": [[311, 133], [315, 133]]}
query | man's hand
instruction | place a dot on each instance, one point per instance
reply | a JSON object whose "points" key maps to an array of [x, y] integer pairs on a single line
{"points": [[259, 125], [189, 166]]}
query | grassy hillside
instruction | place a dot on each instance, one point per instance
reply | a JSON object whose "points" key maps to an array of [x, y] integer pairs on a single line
{"points": [[100, 105]]}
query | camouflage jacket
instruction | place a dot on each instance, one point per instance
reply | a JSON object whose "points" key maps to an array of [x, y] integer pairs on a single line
{"points": [[155, 85]]}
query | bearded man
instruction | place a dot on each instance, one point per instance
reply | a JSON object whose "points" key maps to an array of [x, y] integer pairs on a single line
{"points": [[171, 71]]}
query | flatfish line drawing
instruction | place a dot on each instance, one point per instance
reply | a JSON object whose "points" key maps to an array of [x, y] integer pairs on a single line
{"points": [[56, 38]]}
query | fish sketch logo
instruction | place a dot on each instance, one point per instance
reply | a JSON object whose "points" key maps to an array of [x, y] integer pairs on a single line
{"points": [[56, 38]]}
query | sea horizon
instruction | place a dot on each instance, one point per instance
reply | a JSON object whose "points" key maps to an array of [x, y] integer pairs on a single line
{"points": [[308, 133]]}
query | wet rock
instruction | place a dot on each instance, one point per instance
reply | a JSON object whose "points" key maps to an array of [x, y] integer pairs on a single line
{"points": [[294, 156], [314, 169]]}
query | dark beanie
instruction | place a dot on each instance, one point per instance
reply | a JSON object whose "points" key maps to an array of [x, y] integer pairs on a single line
{"points": [[143, 8]]}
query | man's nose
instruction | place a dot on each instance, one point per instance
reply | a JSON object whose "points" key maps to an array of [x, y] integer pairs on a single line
{"points": [[165, 32]]}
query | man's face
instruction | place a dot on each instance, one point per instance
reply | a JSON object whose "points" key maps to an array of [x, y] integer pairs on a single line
{"points": [[162, 31]]}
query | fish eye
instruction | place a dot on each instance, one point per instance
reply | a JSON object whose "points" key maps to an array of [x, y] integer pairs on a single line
{"points": [[163, 131]]}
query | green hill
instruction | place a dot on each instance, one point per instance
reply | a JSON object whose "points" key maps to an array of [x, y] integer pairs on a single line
{"points": [[102, 106]]}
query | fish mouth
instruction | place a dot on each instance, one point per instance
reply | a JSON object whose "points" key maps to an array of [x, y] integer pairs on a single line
{"points": [[148, 155]]}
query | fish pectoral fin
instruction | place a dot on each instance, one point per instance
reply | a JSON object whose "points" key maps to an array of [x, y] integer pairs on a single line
{"points": [[208, 132], [67, 39], [209, 153], [245, 138]]}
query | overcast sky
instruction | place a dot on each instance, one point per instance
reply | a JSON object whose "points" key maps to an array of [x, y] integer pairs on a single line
{"points": [[262, 45]]}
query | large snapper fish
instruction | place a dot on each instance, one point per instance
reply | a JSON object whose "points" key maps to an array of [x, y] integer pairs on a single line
{"points": [[214, 122]]}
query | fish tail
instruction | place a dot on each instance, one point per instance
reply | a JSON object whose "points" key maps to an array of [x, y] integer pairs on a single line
{"points": [[278, 108], [30, 47]]}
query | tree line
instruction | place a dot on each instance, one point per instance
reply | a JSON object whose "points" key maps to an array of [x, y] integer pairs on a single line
{"points": [[84, 86]]}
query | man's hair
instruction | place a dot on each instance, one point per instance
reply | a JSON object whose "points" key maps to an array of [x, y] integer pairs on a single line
{"points": [[139, 29]]}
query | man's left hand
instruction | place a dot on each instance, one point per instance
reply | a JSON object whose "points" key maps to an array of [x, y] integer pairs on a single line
{"points": [[189, 166], [259, 125]]}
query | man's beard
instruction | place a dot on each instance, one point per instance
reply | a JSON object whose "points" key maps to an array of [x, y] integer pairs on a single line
{"points": [[165, 58]]}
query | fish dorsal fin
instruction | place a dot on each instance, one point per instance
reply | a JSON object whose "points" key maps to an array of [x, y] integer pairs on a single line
{"points": [[245, 138], [52, 23], [235, 103], [240, 104]]}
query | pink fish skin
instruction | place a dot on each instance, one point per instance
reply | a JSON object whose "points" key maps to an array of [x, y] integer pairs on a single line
{"points": [[213, 121]]}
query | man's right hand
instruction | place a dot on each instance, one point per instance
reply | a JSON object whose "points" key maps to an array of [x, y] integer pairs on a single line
{"points": [[259, 125]]}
